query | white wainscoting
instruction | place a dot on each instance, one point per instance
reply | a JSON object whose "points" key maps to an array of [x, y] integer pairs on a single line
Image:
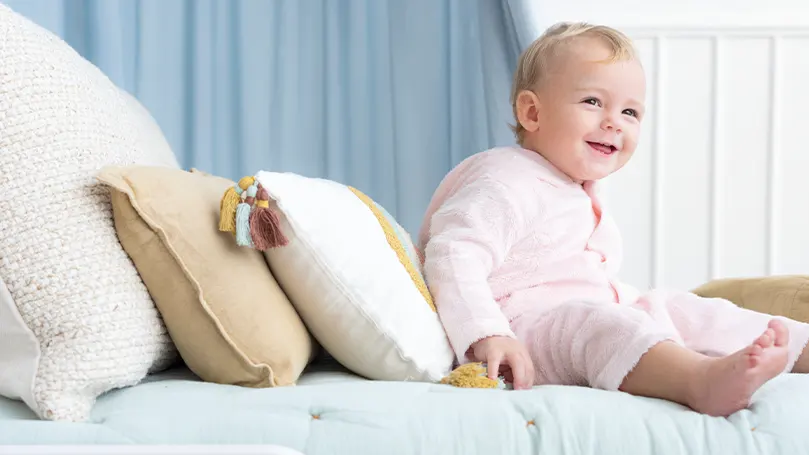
{"points": [[719, 186]]}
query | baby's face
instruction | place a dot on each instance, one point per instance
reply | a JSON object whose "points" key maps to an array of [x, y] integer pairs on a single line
{"points": [[590, 112]]}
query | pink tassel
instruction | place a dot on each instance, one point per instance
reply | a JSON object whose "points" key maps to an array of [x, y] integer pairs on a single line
{"points": [[265, 225]]}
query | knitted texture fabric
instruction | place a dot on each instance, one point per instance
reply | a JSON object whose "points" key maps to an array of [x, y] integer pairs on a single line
{"points": [[61, 120]]}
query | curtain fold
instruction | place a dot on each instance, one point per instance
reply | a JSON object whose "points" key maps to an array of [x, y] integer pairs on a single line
{"points": [[526, 22], [384, 95]]}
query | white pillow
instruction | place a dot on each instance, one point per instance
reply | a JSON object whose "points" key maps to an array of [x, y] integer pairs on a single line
{"points": [[355, 278], [77, 320]]}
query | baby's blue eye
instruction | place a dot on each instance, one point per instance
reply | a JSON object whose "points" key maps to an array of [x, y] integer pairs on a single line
{"points": [[593, 101], [631, 112]]}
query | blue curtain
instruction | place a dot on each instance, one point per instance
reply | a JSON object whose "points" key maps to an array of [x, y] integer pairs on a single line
{"points": [[385, 95]]}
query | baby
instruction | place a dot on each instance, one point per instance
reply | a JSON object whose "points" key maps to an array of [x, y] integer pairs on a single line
{"points": [[522, 256]]}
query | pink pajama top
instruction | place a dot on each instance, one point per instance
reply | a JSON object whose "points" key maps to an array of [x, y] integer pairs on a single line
{"points": [[507, 231]]}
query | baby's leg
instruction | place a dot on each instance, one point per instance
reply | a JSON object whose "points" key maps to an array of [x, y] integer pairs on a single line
{"points": [[718, 327], [717, 386], [616, 347], [593, 344]]}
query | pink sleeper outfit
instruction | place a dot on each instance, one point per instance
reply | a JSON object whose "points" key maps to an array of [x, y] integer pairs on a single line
{"points": [[514, 247]]}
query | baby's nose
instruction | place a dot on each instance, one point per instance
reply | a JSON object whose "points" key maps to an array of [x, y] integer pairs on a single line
{"points": [[609, 125]]}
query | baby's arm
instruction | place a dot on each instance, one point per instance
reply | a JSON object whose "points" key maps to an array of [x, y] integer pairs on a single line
{"points": [[470, 235]]}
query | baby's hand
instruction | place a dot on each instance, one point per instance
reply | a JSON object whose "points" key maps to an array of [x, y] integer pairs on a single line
{"points": [[508, 356]]}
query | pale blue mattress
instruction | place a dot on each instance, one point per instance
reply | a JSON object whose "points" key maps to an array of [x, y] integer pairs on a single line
{"points": [[334, 412]]}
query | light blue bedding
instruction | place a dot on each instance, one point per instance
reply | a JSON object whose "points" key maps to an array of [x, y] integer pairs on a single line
{"points": [[333, 412]]}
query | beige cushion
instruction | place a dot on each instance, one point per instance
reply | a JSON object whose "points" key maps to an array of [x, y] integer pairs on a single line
{"points": [[786, 295], [228, 317]]}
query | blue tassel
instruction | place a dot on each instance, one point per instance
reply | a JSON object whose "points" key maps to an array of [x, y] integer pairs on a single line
{"points": [[243, 225], [243, 237]]}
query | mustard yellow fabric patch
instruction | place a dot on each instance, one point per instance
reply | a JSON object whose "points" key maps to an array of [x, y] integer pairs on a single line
{"points": [[400, 241]]}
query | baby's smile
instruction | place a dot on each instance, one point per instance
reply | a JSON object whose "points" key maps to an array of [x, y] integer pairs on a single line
{"points": [[604, 148]]}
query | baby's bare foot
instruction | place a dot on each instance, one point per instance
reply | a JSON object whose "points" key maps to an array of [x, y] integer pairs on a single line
{"points": [[726, 384]]}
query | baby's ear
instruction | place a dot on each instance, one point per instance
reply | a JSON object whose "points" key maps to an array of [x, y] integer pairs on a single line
{"points": [[528, 110]]}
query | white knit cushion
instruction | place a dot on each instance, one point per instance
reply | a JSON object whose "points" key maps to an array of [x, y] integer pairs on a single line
{"points": [[72, 288]]}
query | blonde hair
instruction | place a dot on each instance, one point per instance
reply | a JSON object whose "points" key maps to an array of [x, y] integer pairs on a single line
{"points": [[532, 66]]}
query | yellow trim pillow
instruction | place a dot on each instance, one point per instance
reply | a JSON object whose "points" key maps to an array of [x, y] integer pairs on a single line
{"points": [[399, 240], [351, 271]]}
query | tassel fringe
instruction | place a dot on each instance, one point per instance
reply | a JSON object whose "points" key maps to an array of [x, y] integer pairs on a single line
{"points": [[243, 217], [230, 200], [245, 211], [472, 375], [265, 226]]}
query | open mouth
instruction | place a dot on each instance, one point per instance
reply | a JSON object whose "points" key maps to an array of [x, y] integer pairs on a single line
{"points": [[605, 149]]}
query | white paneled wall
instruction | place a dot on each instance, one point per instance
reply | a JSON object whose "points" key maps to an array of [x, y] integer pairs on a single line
{"points": [[719, 186]]}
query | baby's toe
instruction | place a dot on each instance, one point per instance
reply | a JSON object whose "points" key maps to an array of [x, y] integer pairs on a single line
{"points": [[766, 339], [780, 332]]}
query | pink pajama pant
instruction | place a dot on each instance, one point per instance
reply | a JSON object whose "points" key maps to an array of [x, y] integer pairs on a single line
{"points": [[598, 344]]}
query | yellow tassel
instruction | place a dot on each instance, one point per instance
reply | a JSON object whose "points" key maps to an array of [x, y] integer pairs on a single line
{"points": [[228, 205], [230, 200], [471, 375]]}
